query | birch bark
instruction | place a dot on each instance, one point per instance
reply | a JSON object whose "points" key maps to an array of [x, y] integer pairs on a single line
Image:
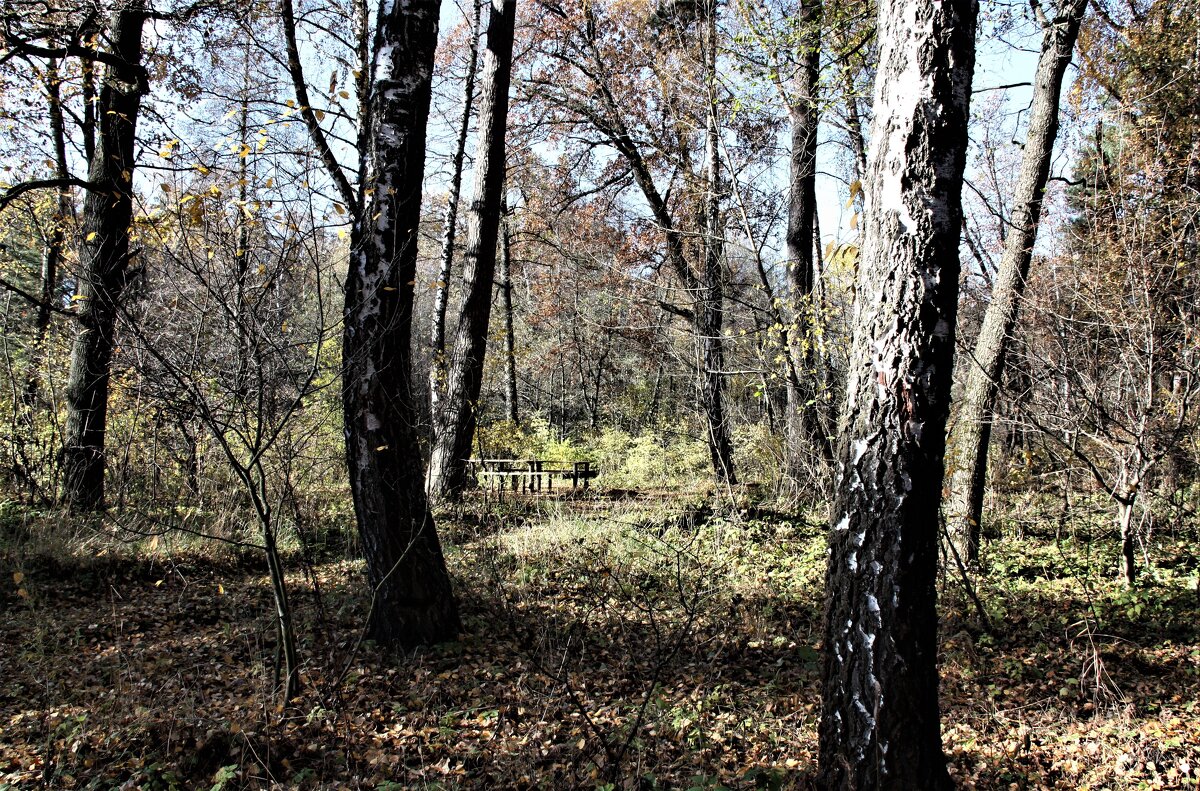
{"points": [[879, 723]]}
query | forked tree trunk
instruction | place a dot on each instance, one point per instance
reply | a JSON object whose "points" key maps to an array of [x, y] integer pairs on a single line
{"points": [[456, 420], [441, 294], [103, 262], [973, 429], [706, 289], [879, 721], [412, 598]]}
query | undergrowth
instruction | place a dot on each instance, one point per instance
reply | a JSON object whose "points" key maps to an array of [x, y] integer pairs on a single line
{"points": [[609, 643]]}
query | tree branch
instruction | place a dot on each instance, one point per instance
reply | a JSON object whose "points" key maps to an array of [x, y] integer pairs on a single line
{"points": [[18, 190], [73, 50], [34, 300], [296, 72]]}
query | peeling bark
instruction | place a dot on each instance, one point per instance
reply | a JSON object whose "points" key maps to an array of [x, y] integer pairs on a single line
{"points": [[880, 722], [413, 602]]}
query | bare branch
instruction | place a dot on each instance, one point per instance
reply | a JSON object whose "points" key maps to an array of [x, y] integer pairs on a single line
{"points": [[17, 190], [296, 72]]}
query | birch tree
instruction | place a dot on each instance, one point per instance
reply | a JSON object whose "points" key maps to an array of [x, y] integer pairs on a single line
{"points": [[413, 602], [412, 599], [879, 723]]}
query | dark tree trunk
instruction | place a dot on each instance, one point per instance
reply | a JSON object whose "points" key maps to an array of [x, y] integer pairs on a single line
{"points": [[455, 422], [1128, 550], [55, 241], [441, 296], [510, 355], [709, 303], [804, 429], [413, 602], [879, 721], [103, 262], [972, 435]]}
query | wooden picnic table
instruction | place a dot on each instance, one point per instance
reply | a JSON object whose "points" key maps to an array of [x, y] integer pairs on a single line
{"points": [[531, 475]]}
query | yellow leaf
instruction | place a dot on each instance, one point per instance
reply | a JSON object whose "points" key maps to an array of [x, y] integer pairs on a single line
{"points": [[18, 577], [220, 590], [854, 221], [383, 447], [339, 208], [320, 114], [158, 584], [341, 233], [91, 236], [24, 594]]}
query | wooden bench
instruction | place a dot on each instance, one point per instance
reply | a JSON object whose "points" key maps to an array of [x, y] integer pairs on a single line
{"points": [[530, 475]]}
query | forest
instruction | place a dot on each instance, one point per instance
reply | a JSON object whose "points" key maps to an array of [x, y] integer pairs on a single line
{"points": [[600, 394]]}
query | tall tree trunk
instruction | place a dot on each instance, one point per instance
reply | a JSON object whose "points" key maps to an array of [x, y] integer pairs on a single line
{"points": [[1125, 505], [55, 241], [510, 355], [242, 253], [103, 262], [709, 306], [969, 448], [413, 602], [441, 295], [854, 130], [706, 290], [804, 430], [455, 422], [879, 721]]}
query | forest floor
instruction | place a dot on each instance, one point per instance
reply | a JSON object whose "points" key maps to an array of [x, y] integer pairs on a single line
{"points": [[624, 645]]}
